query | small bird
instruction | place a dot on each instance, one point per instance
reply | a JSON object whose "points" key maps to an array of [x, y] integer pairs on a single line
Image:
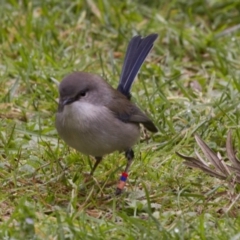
{"points": [[96, 119]]}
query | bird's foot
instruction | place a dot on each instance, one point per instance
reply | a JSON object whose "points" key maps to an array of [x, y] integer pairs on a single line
{"points": [[87, 177]]}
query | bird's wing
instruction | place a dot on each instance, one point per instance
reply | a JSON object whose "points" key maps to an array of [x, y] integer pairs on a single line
{"points": [[127, 111]]}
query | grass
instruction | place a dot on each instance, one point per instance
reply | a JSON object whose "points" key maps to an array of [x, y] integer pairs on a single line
{"points": [[189, 84]]}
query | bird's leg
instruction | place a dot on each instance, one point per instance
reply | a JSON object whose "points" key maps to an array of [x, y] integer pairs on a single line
{"points": [[98, 160], [129, 155]]}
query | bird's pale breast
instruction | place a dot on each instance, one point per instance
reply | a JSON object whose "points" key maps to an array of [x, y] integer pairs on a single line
{"points": [[94, 130]]}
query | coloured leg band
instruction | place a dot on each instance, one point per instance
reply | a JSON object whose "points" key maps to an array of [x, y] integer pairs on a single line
{"points": [[122, 181]]}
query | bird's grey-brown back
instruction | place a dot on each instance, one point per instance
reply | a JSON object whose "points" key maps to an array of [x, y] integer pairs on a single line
{"points": [[86, 123]]}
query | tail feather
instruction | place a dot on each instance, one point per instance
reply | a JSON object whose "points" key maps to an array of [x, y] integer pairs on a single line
{"points": [[137, 52]]}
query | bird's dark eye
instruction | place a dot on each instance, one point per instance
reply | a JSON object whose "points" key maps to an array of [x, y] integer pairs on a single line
{"points": [[82, 93]]}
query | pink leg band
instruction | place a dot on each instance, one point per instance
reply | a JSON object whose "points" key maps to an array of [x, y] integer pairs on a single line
{"points": [[122, 181]]}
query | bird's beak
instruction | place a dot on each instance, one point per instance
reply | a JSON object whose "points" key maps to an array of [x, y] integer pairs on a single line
{"points": [[63, 102], [66, 101]]}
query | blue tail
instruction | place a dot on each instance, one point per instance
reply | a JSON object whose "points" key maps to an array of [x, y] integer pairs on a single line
{"points": [[137, 51]]}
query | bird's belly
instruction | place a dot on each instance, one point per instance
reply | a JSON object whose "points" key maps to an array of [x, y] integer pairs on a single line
{"points": [[94, 130]]}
